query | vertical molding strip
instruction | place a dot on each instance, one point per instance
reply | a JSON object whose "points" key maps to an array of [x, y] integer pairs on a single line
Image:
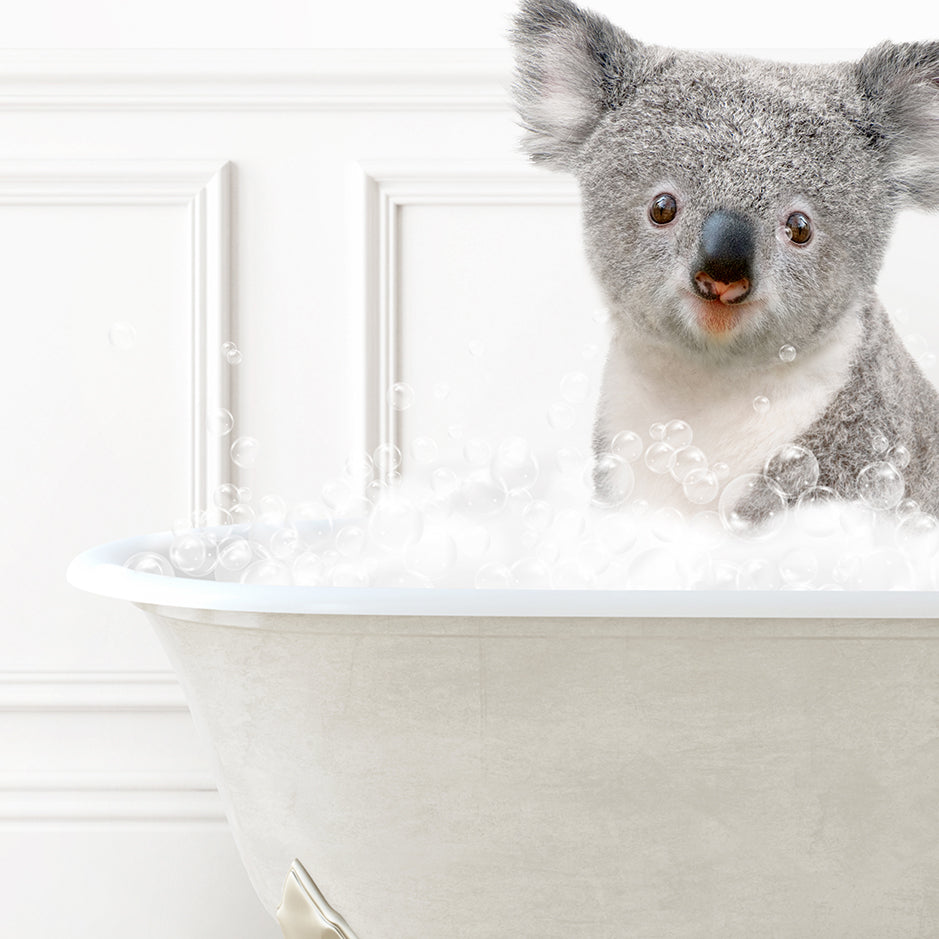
{"points": [[390, 187]]}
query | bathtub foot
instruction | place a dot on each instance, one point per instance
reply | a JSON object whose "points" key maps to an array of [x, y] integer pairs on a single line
{"points": [[304, 913]]}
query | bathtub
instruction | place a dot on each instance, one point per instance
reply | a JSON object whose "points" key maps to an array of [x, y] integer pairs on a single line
{"points": [[461, 764]]}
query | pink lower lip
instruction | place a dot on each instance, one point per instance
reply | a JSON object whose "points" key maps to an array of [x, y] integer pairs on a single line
{"points": [[718, 318]]}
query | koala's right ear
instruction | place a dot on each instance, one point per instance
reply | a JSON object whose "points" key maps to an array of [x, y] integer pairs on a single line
{"points": [[900, 83], [571, 67]]}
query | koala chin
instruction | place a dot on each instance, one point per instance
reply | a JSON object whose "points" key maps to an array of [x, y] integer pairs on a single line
{"points": [[731, 207]]}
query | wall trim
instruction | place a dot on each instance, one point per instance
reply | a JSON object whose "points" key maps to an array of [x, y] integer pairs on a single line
{"points": [[255, 79], [88, 691], [388, 188], [202, 187]]}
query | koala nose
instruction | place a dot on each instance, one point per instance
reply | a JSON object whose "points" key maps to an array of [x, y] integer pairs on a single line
{"points": [[725, 258]]}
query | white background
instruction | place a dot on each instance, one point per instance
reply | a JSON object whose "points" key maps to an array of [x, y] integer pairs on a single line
{"points": [[108, 823]]}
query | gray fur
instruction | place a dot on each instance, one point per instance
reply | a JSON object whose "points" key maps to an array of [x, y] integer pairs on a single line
{"points": [[854, 143]]}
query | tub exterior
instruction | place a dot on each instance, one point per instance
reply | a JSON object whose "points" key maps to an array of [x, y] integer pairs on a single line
{"points": [[478, 776]]}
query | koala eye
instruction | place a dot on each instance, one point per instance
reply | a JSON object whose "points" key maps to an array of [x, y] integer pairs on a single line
{"points": [[663, 209], [798, 228]]}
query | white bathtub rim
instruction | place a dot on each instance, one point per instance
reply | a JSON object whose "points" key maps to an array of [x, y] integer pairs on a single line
{"points": [[100, 571]]}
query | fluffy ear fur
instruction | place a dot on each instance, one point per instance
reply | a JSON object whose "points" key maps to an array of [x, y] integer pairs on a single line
{"points": [[571, 67], [901, 84]]}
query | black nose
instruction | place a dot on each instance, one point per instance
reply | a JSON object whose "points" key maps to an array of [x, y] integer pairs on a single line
{"points": [[726, 249]]}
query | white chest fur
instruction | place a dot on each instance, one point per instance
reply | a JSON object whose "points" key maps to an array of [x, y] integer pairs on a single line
{"points": [[643, 386]]}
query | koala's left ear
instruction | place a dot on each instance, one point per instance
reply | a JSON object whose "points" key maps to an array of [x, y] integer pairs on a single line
{"points": [[901, 85]]}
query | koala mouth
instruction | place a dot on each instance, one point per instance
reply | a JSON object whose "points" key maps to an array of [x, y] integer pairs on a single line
{"points": [[720, 311]]}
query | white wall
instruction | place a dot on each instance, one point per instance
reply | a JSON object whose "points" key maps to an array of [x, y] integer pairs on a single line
{"points": [[120, 174]]}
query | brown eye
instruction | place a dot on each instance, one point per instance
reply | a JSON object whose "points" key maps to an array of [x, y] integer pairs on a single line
{"points": [[798, 228], [663, 209]]}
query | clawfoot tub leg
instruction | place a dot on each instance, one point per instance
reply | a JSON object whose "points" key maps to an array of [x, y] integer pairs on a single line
{"points": [[304, 913]]}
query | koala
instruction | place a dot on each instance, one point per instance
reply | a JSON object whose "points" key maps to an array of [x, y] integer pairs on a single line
{"points": [[733, 208]]}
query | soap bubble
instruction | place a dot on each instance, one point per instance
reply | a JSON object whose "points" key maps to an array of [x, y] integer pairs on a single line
{"points": [[793, 468], [657, 431], [401, 395], [477, 348], [226, 496], [434, 554], [244, 452], [477, 451], [444, 481], [752, 506], [906, 507], [879, 441], [272, 510], [350, 541], [880, 485], [899, 456], [386, 458], [310, 570], [530, 574], [618, 532], [658, 569], [758, 574], [818, 517], [235, 554], [761, 404], [149, 562], [514, 464], [799, 567], [613, 480], [628, 445], [721, 470], [231, 353], [285, 543], [441, 390], [701, 486], [686, 459], [220, 422], [191, 553], [668, 524], [677, 434], [575, 386], [919, 533], [659, 457], [267, 572], [122, 336], [349, 575], [787, 352]]}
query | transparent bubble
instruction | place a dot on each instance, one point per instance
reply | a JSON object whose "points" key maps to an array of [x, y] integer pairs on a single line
{"points": [[241, 513], [267, 572], [149, 562], [575, 386], [668, 524], [313, 523], [752, 506], [628, 445], [899, 456], [309, 570], [613, 479], [721, 470], [231, 353], [659, 457], [401, 395], [424, 450], [569, 525], [477, 451], [701, 486], [122, 336], [395, 523], [918, 534], [482, 497], [244, 452], [570, 461], [285, 543], [678, 434], [879, 442], [444, 482], [573, 574], [349, 575], [787, 353], [761, 404], [514, 464], [338, 496], [687, 459], [601, 316], [272, 510], [472, 541], [561, 416], [190, 553], [878, 569], [906, 507], [793, 468], [538, 515], [386, 458], [493, 576], [226, 496], [235, 554], [880, 485], [358, 466], [657, 431], [441, 390], [350, 541], [517, 500], [220, 422], [477, 348], [590, 350]]}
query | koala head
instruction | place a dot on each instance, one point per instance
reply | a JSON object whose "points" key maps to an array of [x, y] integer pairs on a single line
{"points": [[730, 205]]}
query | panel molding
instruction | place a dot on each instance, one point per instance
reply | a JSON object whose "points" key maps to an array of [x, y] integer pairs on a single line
{"points": [[255, 79], [202, 188], [387, 189], [82, 797]]}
